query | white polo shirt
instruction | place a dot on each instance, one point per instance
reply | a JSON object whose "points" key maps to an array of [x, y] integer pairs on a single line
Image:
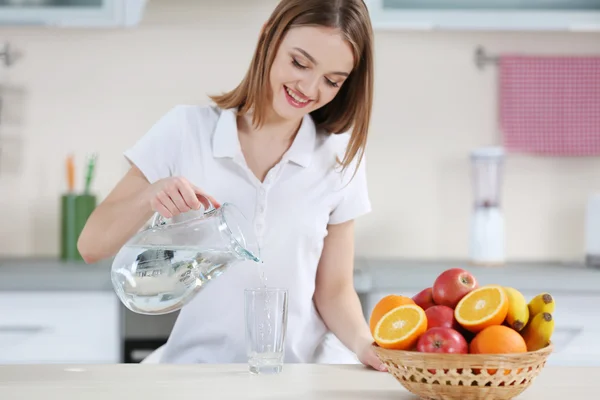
{"points": [[290, 211]]}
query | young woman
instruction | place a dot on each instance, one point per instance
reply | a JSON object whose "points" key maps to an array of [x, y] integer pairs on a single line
{"points": [[285, 146]]}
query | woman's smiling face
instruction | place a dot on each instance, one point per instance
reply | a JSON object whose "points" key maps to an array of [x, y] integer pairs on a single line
{"points": [[309, 69]]}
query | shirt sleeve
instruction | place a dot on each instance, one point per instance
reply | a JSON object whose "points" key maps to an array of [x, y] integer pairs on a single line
{"points": [[156, 151], [354, 201]]}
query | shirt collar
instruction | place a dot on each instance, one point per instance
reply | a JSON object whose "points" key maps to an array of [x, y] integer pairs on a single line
{"points": [[301, 150], [226, 142], [225, 139]]}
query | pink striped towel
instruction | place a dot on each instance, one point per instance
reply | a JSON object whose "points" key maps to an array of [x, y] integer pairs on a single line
{"points": [[550, 105]]}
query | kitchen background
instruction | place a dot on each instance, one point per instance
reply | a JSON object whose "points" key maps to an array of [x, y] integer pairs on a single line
{"points": [[97, 90]]}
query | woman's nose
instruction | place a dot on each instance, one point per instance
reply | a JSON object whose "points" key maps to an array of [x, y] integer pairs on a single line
{"points": [[309, 87]]}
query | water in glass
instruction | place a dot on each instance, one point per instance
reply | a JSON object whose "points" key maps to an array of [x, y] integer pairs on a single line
{"points": [[266, 324]]}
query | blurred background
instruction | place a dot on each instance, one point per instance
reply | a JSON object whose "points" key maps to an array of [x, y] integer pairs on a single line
{"points": [[89, 77]]}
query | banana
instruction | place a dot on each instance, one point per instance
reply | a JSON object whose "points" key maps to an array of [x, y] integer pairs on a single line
{"points": [[543, 302], [538, 332], [518, 311]]}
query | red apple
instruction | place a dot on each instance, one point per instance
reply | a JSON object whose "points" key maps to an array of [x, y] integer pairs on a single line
{"points": [[442, 340], [452, 285], [441, 316], [424, 298]]}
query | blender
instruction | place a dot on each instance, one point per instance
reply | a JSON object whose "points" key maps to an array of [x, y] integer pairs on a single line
{"points": [[486, 244]]}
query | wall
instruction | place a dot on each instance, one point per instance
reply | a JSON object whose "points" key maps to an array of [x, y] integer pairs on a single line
{"points": [[94, 90]]}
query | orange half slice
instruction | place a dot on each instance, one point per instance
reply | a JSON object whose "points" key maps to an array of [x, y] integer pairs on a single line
{"points": [[401, 327], [482, 307]]}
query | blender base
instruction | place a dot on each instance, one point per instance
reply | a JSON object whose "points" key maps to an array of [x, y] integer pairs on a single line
{"points": [[487, 237], [488, 264]]}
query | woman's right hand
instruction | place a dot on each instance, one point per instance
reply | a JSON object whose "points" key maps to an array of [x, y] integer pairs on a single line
{"points": [[175, 195]]}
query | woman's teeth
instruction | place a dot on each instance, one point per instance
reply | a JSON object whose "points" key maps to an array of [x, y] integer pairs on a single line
{"points": [[295, 97]]}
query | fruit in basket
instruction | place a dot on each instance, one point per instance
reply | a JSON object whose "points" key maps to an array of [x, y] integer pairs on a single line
{"points": [[452, 285], [424, 298], [543, 302], [483, 307], [538, 332], [441, 316], [498, 339], [442, 340], [384, 305], [401, 327], [518, 310]]}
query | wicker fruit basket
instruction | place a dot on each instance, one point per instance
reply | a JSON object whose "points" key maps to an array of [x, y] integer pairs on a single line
{"points": [[435, 376]]}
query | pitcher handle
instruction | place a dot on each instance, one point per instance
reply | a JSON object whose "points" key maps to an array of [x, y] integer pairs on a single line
{"points": [[158, 219]]}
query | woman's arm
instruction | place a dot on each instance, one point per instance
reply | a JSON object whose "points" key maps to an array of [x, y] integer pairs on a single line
{"points": [[335, 296]]}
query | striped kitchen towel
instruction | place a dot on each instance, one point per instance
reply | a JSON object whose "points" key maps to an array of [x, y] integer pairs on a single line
{"points": [[550, 105]]}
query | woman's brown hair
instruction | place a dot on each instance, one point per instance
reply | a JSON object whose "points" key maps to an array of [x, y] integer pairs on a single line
{"points": [[351, 107]]}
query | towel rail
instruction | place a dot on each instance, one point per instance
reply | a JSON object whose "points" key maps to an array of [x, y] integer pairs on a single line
{"points": [[482, 58], [6, 56]]}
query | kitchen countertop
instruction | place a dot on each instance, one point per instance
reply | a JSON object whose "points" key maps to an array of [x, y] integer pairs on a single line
{"points": [[371, 274], [47, 274], [232, 381]]}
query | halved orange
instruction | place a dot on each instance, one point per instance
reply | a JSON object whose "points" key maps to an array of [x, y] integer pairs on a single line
{"points": [[482, 307], [401, 327], [384, 305]]}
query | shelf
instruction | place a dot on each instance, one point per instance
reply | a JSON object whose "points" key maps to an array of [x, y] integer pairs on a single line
{"points": [[503, 15]]}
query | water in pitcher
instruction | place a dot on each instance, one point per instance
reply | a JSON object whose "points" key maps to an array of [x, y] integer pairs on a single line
{"points": [[161, 280]]}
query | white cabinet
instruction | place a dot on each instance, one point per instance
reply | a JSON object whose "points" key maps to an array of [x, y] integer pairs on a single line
{"points": [[537, 15], [59, 327], [72, 13]]}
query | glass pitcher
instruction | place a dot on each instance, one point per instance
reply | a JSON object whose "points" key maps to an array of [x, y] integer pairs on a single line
{"points": [[163, 267]]}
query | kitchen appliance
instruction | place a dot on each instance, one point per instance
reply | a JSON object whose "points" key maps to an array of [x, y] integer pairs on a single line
{"points": [[487, 242], [163, 267], [592, 231]]}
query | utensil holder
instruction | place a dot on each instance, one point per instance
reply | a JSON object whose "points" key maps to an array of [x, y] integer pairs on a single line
{"points": [[75, 211]]}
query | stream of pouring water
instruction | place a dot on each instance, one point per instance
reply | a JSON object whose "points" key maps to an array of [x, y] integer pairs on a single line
{"points": [[267, 356]]}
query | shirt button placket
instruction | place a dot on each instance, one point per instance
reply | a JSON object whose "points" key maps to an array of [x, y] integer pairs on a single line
{"points": [[261, 207], [261, 204]]}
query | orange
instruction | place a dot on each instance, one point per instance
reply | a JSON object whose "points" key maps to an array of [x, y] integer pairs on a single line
{"points": [[482, 307], [401, 327], [498, 339], [386, 304]]}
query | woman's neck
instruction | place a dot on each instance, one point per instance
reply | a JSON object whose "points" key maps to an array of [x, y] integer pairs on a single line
{"points": [[273, 128], [264, 147]]}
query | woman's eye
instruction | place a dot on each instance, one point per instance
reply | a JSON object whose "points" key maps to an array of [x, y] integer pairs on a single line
{"points": [[331, 83], [297, 64]]}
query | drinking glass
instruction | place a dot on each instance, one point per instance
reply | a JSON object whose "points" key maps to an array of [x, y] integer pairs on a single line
{"points": [[266, 311]]}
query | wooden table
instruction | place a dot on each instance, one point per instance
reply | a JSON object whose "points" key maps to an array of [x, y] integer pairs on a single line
{"points": [[225, 382]]}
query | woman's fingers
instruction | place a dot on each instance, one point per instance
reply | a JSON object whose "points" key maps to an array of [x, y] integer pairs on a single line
{"points": [[159, 207], [202, 197], [214, 202], [176, 197], [188, 194], [166, 201]]}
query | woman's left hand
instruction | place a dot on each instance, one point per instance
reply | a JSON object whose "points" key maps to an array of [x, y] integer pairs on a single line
{"points": [[367, 356]]}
